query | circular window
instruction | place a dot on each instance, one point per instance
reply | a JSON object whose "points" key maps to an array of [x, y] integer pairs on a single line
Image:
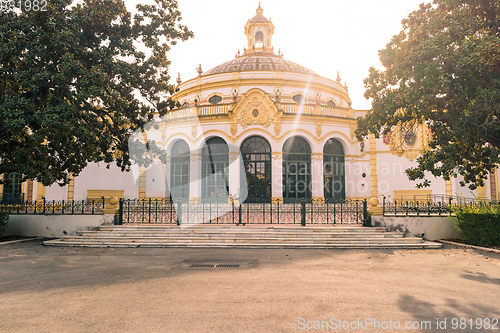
{"points": [[255, 112], [215, 99], [299, 98]]}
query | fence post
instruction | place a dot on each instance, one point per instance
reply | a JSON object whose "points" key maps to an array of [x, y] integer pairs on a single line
{"points": [[120, 213], [179, 212], [365, 210], [239, 213], [43, 205], [383, 206], [303, 213]]}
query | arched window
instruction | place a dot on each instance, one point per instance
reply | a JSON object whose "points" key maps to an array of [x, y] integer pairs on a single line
{"points": [[299, 98], [185, 105], [296, 169], [330, 103], [12, 189], [256, 153], [259, 39], [179, 170], [215, 99], [333, 170], [215, 169]]}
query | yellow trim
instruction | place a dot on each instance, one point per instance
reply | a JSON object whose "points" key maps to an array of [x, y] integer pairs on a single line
{"points": [[357, 198], [494, 194], [277, 200], [373, 166], [71, 188], [1, 185], [481, 192], [318, 200], [40, 191], [275, 138], [310, 85], [449, 189], [97, 195], [419, 195], [142, 182]]}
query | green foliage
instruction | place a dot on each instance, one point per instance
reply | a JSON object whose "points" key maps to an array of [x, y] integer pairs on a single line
{"points": [[4, 220], [367, 221], [76, 80], [479, 223], [444, 69]]}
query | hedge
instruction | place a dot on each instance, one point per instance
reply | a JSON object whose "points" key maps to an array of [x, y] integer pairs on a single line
{"points": [[479, 223]]}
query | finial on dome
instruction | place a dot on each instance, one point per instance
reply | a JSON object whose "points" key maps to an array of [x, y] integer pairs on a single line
{"points": [[179, 79], [338, 77], [259, 10], [199, 70]]}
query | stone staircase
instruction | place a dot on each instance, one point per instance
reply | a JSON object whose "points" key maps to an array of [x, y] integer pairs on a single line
{"points": [[248, 236]]}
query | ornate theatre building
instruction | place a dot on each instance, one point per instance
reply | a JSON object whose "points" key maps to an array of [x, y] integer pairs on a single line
{"points": [[265, 124]]}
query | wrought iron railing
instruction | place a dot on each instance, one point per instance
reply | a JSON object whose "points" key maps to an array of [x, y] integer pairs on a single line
{"points": [[435, 205], [255, 212], [55, 207]]}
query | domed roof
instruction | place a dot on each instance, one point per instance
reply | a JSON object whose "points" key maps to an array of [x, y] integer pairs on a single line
{"points": [[268, 62], [259, 18]]}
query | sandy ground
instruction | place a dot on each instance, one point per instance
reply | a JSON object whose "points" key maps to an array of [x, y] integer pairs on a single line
{"points": [[50, 289]]}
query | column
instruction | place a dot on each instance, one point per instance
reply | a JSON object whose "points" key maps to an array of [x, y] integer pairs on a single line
{"points": [[318, 194], [40, 191], [235, 169], [373, 167], [195, 178], [71, 187], [167, 177], [142, 183], [449, 191], [493, 184], [277, 177]]}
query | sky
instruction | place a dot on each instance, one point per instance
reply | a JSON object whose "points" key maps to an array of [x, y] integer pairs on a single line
{"points": [[322, 35]]}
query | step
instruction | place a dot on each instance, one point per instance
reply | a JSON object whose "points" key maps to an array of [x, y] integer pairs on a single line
{"points": [[240, 240], [245, 234], [424, 245]]}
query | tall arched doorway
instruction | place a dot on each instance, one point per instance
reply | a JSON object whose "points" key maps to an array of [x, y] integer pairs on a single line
{"points": [[296, 169], [333, 170], [215, 169], [179, 170], [256, 153]]}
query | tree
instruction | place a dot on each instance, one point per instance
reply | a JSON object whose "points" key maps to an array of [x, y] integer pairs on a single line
{"points": [[443, 69], [77, 80]]}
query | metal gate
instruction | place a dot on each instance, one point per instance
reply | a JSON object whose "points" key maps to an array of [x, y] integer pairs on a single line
{"points": [[255, 212]]}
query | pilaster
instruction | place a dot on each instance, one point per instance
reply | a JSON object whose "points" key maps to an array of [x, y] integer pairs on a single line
{"points": [[277, 176]]}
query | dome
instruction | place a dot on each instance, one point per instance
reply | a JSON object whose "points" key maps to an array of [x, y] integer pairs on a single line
{"points": [[259, 18], [266, 62]]}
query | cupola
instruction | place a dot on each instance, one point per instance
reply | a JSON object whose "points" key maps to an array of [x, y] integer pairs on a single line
{"points": [[259, 31]]}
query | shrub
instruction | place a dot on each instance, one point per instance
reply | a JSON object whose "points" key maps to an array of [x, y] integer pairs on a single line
{"points": [[479, 223], [367, 222], [4, 219]]}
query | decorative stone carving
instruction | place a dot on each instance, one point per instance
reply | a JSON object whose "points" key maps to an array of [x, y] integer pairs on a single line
{"points": [[318, 129], [255, 113]]}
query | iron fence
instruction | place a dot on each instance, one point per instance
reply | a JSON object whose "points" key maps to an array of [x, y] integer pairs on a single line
{"points": [[436, 206], [56, 207], [255, 212]]}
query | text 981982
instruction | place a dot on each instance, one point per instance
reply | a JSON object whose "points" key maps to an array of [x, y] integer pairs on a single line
{"points": [[23, 5]]}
